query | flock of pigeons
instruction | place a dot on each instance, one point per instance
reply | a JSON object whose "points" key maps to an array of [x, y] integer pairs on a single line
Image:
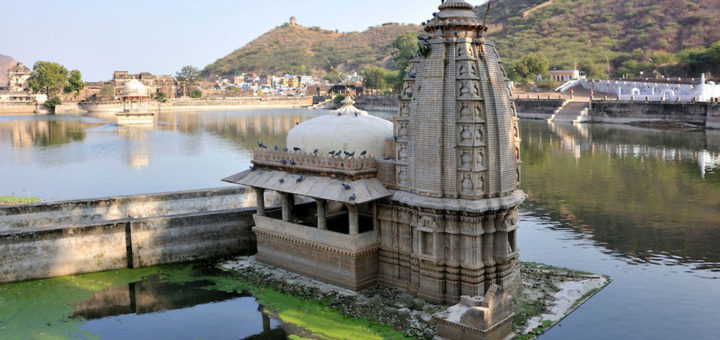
{"points": [[346, 186]]}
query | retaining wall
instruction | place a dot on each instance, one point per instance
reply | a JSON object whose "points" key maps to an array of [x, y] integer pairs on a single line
{"points": [[73, 237], [611, 111], [537, 108]]}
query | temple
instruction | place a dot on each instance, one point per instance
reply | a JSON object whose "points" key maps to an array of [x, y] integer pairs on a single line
{"points": [[428, 203]]}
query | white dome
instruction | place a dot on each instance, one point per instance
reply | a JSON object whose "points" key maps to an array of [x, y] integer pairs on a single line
{"points": [[134, 88], [347, 129]]}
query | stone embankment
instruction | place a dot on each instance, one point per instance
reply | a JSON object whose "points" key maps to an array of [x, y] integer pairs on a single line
{"points": [[73, 237], [378, 103], [229, 104], [548, 295]]}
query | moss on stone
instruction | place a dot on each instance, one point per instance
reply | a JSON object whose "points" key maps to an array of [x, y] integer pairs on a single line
{"points": [[12, 200]]}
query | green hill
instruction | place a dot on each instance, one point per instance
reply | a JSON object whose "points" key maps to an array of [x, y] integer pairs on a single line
{"points": [[629, 35], [649, 33], [297, 49]]}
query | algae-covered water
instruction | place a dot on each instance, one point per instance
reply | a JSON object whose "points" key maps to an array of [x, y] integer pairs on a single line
{"points": [[184, 301]]}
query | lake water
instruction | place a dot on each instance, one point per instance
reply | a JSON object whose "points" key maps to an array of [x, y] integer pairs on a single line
{"points": [[640, 205]]}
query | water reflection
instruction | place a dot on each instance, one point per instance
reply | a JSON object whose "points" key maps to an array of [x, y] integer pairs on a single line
{"points": [[648, 195], [154, 309], [94, 158]]}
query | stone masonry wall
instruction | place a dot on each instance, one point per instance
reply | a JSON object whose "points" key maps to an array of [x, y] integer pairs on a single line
{"points": [[627, 112]]}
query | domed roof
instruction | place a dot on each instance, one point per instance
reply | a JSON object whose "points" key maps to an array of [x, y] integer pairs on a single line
{"points": [[347, 129], [134, 88]]}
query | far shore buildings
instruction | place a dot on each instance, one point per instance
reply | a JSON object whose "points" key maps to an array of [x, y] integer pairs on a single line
{"points": [[154, 84], [17, 89]]}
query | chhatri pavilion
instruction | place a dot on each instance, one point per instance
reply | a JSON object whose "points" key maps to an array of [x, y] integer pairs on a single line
{"points": [[134, 105], [428, 203]]}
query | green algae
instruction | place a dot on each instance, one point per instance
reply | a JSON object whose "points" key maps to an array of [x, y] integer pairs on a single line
{"points": [[12, 200], [43, 309]]}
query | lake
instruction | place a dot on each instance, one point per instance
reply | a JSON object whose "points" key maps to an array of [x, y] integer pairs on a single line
{"points": [[639, 205]]}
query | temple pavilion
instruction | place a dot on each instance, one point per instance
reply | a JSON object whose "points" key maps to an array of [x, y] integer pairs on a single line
{"points": [[428, 203], [135, 105]]}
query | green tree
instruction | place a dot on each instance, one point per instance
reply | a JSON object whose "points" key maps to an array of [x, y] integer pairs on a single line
{"points": [[75, 82], [107, 91], [48, 78], [593, 70], [405, 46], [374, 78], [196, 94], [394, 80], [187, 77], [536, 63]]}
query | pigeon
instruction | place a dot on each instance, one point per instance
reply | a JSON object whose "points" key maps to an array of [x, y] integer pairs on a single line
{"points": [[292, 162], [300, 179], [283, 161], [296, 149], [346, 186], [282, 180], [347, 154], [331, 153], [261, 145], [285, 149], [339, 114], [297, 123], [456, 34], [338, 153], [356, 114], [352, 154], [276, 147], [352, 197], [395, 137], [363, 153], [315, 151], [253, 168]]}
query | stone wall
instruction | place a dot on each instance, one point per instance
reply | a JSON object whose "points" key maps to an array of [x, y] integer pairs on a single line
{"points": [[611, 111], [17, 108], [537, 108], [219, 104], [378, 103], [73, 237]]}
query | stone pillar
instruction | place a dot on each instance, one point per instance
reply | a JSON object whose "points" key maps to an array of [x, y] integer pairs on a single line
{"points": [[260, 197], [287, 203], [353, 219], [321, 214]]}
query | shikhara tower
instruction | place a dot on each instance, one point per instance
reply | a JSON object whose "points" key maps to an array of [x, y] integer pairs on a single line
{"points": [[449, 229]]}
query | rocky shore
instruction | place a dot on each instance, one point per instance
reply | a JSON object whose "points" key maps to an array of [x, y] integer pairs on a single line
{"points": [[549, 294]]}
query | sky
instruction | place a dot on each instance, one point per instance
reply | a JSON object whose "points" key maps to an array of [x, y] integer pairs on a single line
{"points": [[161, 36]]}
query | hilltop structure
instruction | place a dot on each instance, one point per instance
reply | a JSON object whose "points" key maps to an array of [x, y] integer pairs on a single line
{"points": [[431, 206]]}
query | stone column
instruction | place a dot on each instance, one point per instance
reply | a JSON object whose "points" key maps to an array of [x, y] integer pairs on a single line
{"points": [[260, 197], [287, 203], [321, 213], [353, 218]]}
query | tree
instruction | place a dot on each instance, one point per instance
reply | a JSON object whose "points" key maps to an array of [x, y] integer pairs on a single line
{"points": [[537, 64], [75, 83], [196, 94], [107, 92], [48, 78], [593, 70], [374, 78], [405, 46], [187, 77]]}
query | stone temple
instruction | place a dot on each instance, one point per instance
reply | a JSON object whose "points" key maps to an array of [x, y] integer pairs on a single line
{"points": [[428, 203]]}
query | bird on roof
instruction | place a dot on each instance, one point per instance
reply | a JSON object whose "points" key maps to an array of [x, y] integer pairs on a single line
{"points": [[331, 153], [252, 168], [297, 123], [356, 114], [261, 145], [352, 154], [363, 153], [347, 154], [338, 153], [285, 149], [283, 161], [276, 147], [315, 151], [346, 186], [292, 162], [353, 197], [282, 180], [296, 149], [395, 138], [339, 114], [300, 179]]}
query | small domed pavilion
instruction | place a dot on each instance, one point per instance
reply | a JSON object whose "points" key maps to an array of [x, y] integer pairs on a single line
{"points": [[135, 102]]}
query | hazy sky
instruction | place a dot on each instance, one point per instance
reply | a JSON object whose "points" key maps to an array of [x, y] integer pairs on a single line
{"points": [[160, 36]]}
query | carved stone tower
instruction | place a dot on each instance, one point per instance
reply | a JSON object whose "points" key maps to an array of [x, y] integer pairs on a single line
{"points": [[449, 230]]}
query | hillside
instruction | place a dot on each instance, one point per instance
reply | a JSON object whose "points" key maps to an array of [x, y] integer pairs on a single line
{"points": [[298, 49], [569, 31], [5, 63]]}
